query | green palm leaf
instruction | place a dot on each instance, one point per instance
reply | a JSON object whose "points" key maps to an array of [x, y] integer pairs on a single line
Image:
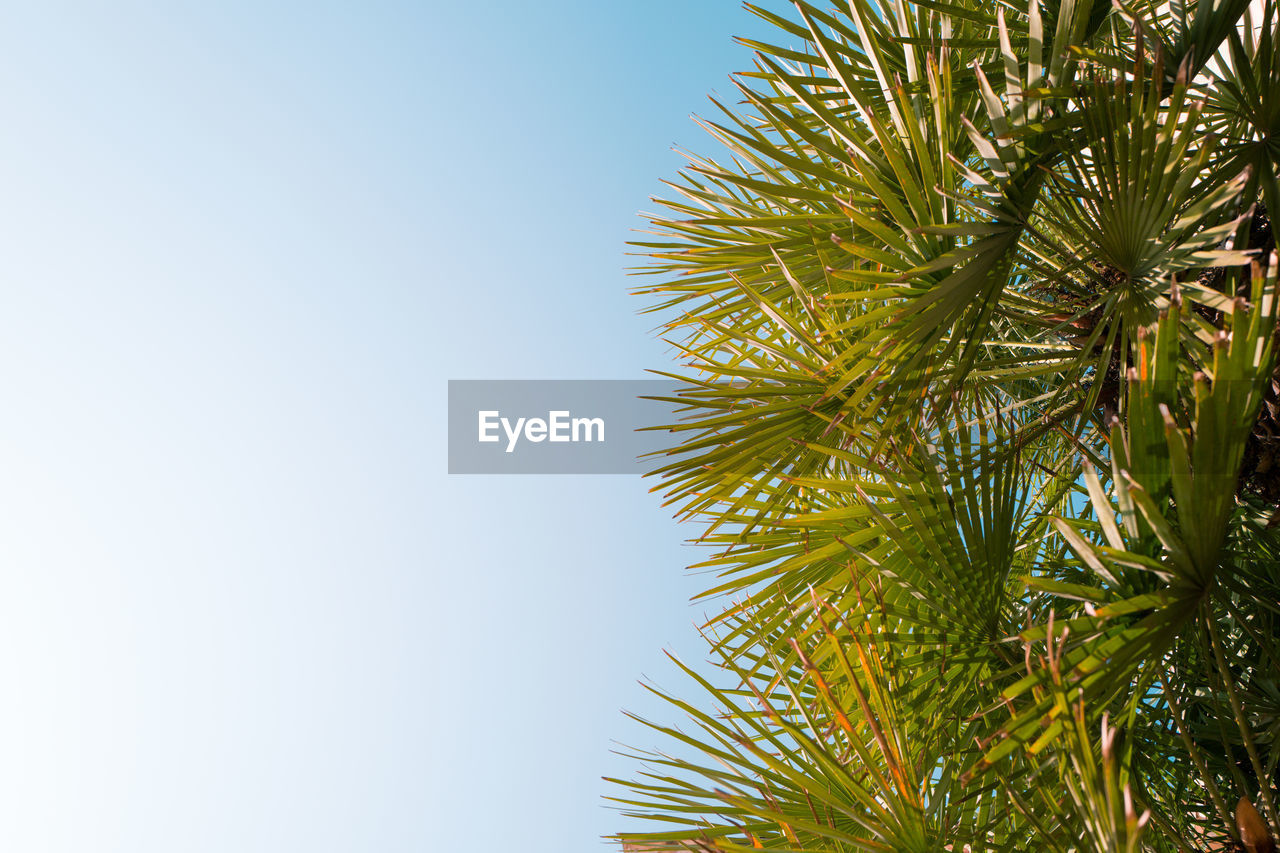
{"points": [[977, 316]]}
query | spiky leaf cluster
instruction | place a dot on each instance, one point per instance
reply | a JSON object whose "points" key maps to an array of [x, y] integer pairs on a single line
{"points": [[978, 316]]}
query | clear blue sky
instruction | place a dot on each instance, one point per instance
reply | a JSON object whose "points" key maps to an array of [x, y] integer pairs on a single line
{"points": [[246, 244]]}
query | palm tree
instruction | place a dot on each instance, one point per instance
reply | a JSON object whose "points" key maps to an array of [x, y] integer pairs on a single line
{"points": [[980, 423]]}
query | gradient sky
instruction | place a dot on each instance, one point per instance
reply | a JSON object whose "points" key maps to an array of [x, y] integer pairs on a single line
{"points": [[246, 244]]}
